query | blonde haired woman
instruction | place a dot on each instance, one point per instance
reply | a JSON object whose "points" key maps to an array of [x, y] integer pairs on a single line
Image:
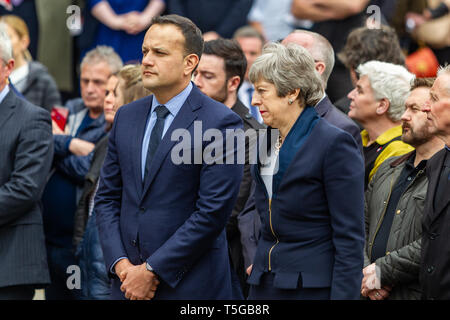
{"points": [[30, 78]]}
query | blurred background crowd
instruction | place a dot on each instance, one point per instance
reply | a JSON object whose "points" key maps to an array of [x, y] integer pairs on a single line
{"points": [[86, 56]]}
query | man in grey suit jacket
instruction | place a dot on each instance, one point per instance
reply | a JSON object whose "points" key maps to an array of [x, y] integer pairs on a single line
{"points": [[26, 146]]}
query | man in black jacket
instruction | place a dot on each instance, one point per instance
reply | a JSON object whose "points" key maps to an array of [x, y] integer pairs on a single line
{"points": [[435, 261], [26, 145], [219, 75]]}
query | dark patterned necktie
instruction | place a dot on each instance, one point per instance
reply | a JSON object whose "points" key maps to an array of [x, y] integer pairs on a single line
{"points": [[156, 136]]}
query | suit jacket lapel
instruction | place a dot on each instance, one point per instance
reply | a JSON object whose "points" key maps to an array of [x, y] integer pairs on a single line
{"points": [[183, 120], [141, 124], [7, 108]]}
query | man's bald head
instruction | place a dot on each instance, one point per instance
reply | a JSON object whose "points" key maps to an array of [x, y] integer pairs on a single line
{"points": [[319, 48]]}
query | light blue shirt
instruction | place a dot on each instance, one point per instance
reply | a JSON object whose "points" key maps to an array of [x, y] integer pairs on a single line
{"points": [[4, 93], [173, 105]]}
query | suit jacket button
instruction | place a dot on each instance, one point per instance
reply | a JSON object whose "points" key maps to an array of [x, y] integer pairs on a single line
{"points": [[133, 243], [430, 269], [142, 209]]}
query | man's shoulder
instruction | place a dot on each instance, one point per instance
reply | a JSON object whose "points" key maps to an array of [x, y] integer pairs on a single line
{"points": [[26, 109], [212, 111], [75, 105], [340, 119]]}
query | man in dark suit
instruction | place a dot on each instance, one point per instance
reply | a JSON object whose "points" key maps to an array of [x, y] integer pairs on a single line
{"points": [[219, 75], [435, 261], [322, 52], [162, 219], [26, 153]]}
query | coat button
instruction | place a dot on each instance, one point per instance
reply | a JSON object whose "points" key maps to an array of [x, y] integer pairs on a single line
{"points": [[432, 236], [133, 243], [142, 209], [398, 211], [430, 269]]}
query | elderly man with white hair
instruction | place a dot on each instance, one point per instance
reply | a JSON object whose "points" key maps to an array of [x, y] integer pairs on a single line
{"points": [[26, 146], [378, 102], [435, 260]]}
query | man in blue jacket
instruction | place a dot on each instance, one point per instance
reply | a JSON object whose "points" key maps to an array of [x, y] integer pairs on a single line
{"points": [[162, 223], [73, 153]]}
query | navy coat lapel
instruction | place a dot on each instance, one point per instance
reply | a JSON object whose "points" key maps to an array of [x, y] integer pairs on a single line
{"points": [[183, 120], [141, 124]]}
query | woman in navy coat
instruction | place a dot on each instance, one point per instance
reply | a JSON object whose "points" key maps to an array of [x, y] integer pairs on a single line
{"points": [[309, 187]]}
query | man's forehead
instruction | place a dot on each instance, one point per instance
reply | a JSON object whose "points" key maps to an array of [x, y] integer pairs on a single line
{"points": [[418, 96], [442, 85], [98, 66], [212, 62], [160, 35]]}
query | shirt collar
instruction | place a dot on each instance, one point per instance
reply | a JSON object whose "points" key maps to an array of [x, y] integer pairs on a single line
{"points": [[323, 98], [174, 105], [20, 73], [410, 162], [3, 93], [447, 147], [383, 138]]}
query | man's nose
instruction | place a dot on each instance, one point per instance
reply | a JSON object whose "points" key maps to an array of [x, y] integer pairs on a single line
{"points": [[351, 94]]}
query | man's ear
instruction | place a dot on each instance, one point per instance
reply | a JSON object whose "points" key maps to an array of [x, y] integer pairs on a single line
{"points": [[320, 67], [190, 62], [383, 106], [233, 83], [10, 66]]}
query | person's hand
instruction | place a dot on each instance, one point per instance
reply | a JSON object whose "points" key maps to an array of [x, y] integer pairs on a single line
{"points": [[135, 22], [139, 283], [119, 22], [80, 147], [210, 35], [56, 129], [121, 268], [379, 294], [249, 269], [371, 279]]}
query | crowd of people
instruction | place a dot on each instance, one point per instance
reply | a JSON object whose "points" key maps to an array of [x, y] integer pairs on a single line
{"points": [[214, 152]]}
